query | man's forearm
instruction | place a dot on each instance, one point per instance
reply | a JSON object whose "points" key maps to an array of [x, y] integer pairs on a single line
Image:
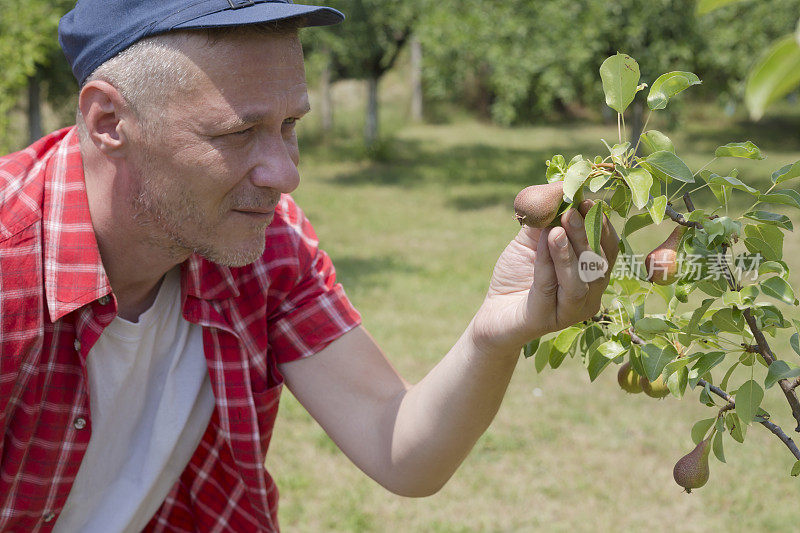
{"points": [[439, 419]]}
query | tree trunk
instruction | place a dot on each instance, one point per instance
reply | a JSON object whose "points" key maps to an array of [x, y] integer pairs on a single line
{"points": [[416, 80], [637, 111], [326, 104], [34, 110], [371, 125]]}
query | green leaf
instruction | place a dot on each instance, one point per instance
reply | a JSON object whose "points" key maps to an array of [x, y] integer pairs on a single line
{"points": [[667, 163], [655, 141], [620, 75], [707, 362], [621, 201], [716, 445], [700, 429], [746, 149], [783, 197], [668, 85], [796, 469], [655, 358], [782, 221], [566, 338], [575, 178], [639, 181], [594, 226], [776, 74], [786, 173], [652, 325], [736, 183], [794, 342], [724, 383], [637, 222], [597, 182], [556, 168], [772, 267], [597, 363], [771, 236], [656, 207], [542, 356], [530, 348], [705, 6], [729, 320], [779, 370], [556, 357], [737, 429], [778, 288], [748, 399], [697, 315]]}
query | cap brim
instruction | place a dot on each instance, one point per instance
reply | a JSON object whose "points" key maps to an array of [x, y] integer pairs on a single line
{"points": [[265, 12]]}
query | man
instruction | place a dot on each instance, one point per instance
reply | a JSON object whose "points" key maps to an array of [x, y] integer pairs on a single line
{"points": [[158, 286]]}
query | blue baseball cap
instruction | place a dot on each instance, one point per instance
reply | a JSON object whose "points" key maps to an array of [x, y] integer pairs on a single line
{"points": [[97, 30]]}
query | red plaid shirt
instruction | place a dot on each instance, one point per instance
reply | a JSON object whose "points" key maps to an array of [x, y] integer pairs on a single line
{"points": [[55, 300]]}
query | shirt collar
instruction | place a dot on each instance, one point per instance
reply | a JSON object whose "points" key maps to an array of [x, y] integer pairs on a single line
{"points": [[73, 271]]}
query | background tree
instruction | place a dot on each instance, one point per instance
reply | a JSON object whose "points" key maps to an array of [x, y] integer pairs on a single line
{"points": [[366, 46], [31, 61]]}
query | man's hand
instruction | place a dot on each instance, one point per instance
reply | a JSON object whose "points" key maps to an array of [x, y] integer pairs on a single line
{"points": [[536, 287]]}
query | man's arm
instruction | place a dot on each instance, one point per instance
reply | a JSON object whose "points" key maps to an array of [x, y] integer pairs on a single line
{"points": [[411, 439]]}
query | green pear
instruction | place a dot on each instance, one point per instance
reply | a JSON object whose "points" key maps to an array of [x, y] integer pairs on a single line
{"points": [[536, 206], [691, 470], [628, 379], [654, 389]]}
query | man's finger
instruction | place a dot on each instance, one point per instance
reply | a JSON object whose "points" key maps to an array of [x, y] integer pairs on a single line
{"points": [[566, 265]]}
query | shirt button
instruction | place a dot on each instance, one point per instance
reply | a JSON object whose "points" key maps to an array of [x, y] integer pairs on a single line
{"points": [[49, 516], [80, 423], [103, 300], [77, 345]]}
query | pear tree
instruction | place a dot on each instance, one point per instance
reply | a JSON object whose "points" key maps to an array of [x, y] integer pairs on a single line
{"points": [[719, 281]]}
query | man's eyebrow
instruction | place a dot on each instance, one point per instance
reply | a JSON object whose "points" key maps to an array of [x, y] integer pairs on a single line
{"points": [[256, 117]]}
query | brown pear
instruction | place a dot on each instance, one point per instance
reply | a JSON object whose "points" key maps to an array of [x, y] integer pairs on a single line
{"points": [[628, 379], [691, 470], [662, 262], [536, 206], [654, 389]]}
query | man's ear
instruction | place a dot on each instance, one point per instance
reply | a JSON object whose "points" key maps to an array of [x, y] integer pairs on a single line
{"points": [[105, 114]]}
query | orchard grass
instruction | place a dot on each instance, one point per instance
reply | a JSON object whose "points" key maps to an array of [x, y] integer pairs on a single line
{"points": [[414, 236]]}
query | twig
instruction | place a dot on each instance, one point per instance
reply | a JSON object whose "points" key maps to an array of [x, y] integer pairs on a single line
{"points": [[680, 219], [687, 199], [774, 428]]}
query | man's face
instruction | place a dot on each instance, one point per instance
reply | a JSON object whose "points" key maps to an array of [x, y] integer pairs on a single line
{"points": [[208, 178]]}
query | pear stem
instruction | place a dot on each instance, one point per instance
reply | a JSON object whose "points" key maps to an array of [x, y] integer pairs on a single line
{"points": [[680, 219]]}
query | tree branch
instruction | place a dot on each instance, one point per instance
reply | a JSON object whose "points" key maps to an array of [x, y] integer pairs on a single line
{"points": [[763, 347], [774, 428], [769, 357]]}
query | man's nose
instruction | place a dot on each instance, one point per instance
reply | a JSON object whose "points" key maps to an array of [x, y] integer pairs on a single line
{"points": [[276, 166]]}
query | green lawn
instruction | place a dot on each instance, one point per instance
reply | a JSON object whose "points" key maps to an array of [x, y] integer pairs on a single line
{"points": [[414, 239]]}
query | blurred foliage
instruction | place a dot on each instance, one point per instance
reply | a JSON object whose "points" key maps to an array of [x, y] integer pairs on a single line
{"points": [[28, 47], [513, 62], [520, 61]]}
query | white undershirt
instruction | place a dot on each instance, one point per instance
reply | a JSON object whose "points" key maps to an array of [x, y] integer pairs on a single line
{"points": [[151, 401]]}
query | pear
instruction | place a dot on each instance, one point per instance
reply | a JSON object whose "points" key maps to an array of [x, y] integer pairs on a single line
{"points": [[628, 379], [691, 470], [536, 206], [654, 389], [662, 262]]}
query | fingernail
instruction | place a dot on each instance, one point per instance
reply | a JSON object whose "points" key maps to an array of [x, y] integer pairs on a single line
{"points": [[575, 219], [561, 239]]}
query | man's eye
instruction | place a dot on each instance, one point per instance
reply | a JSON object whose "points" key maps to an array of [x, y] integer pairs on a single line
{"points": [[290, 121], [242, 132]]}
